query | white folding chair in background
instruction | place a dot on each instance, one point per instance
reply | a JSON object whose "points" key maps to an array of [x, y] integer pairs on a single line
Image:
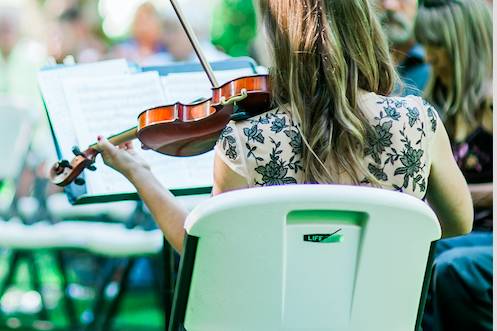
{"points": [[125, 246], [111, 233], [17, 130], [100, 229], [305, 257], [118, 235], [17, 127]]}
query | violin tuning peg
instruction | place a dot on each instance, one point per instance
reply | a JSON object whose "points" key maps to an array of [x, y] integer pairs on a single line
{"points": [[76, 151], [91, 168], [79, 181], [64, 164]]}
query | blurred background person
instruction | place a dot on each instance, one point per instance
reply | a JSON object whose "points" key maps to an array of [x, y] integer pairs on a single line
{"points": [[78, 38], [146, 45], [74, 30], [20, 57], [22, 54], [179, 47], [398, 18], [457, 36], [157, 38]]}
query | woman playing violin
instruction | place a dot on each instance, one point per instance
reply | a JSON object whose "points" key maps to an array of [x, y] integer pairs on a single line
{"points": [[333, 121]]}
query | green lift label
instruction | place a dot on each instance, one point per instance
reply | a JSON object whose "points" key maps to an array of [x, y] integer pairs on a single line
{"points": [[324, 238]]}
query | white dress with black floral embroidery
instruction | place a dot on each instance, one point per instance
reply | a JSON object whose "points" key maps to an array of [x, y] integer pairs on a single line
{"points": [[267, 149]]}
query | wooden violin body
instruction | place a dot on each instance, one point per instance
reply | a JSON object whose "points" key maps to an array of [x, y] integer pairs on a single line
{"points": [[193, 129]]}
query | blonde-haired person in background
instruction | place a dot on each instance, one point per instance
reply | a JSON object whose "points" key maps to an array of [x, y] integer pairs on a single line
{"points": [[332, 121], [457, 35], [22, 54]]}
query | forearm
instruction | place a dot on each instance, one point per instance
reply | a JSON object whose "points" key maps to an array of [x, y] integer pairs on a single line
{"points": [[482, 195], [452, 223], [451, 201], [167, 212]]}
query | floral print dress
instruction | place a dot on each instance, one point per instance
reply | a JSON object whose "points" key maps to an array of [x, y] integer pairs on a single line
{"points": [[267, 149]]}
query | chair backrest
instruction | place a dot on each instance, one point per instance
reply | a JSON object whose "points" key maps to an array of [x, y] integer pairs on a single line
{"points": [[16, 127], [305, 257]]}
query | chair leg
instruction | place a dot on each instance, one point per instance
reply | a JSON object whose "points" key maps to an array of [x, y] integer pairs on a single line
{"points": [[158, 280], [123, 281], [70, 308], [168, 280], [37, 285], [99, 303], [13, 264]]}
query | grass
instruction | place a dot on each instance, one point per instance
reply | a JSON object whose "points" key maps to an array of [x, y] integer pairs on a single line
{"points": [[139, 310]]}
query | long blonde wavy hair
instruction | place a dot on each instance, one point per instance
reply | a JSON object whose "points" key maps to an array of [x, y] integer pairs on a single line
{"points": [[464, 29], [324, 51]]}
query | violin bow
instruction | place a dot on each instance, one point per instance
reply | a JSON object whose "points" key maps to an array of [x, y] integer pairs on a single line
{"points": [[195, 44]]}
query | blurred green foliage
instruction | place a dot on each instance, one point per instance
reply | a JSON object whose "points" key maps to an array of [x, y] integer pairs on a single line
{"points": [[234, 26]]}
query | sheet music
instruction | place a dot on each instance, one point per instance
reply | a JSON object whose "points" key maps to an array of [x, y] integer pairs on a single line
{"points": [[191, 86], [105, 98], [182, 172], [109, 105], [53, 93], [106, 106]]}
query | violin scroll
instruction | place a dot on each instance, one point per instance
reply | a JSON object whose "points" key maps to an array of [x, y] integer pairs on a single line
{"points": [[63, 172]]}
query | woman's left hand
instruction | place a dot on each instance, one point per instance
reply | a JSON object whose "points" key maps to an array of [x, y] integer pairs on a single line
{"points": [[122, 158]]}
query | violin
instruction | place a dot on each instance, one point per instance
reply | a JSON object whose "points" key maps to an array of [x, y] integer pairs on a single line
{"points": [[181, 129], [187, 130], [193, 129]]}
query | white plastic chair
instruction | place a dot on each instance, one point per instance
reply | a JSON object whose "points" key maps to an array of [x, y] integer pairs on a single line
{"points": [[105, 239], [100, 229], [112, 240], [16, 127], [59, 207], [305, 257], [15, 235], [17, 130]]}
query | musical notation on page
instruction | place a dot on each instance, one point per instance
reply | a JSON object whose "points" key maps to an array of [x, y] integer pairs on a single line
{"points": [[51, 86], [108, 105]]}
